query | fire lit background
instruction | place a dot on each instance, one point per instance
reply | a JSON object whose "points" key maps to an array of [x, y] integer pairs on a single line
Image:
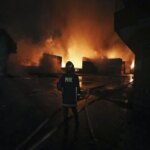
{"points": [[72, 29]]}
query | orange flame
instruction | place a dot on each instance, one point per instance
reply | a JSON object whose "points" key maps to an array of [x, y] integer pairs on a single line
{"points": [[133, 64], [77, 49], [72, 48], [113, 54]]}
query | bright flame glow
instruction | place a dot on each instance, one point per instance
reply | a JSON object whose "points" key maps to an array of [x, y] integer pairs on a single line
{"points": [[112, 54], [75, 57], [77, 49], [131, 78], [81, 81], [63, 64], [132, 64]]}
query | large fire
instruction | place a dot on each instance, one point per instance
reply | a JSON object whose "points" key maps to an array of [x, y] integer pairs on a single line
{"points": [[72, 29], [77, 49], [84, 34]]}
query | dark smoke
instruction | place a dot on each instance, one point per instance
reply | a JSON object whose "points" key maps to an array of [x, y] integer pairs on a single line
{"points": [[33, 19], [37, 20], [32, 22]]}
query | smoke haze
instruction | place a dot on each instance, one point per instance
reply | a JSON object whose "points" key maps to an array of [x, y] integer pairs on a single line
{"points": [[62, 27]]}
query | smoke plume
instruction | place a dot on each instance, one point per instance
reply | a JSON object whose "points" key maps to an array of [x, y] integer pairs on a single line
{"points": [[63, 27]]}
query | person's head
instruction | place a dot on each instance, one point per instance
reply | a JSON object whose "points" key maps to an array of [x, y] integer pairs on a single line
{"points": [[70, 67]]}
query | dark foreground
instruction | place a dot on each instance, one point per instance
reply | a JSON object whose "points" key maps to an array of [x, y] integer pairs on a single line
{"points": [[31, 116]]}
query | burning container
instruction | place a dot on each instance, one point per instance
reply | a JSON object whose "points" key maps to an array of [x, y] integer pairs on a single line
{"points": [[88, 66], [50, 64], [104, 66], [110, 66]]}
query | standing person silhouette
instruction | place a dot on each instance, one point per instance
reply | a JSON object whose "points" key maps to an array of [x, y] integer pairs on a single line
{"points": [[68, 84]]}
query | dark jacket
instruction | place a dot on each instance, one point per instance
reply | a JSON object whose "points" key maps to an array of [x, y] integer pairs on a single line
{"points": [[69, 85]]}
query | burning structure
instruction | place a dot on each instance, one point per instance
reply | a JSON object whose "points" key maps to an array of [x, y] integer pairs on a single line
{"points": [[111, 66], [103, 66], [88, 66], [50, 63]]}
